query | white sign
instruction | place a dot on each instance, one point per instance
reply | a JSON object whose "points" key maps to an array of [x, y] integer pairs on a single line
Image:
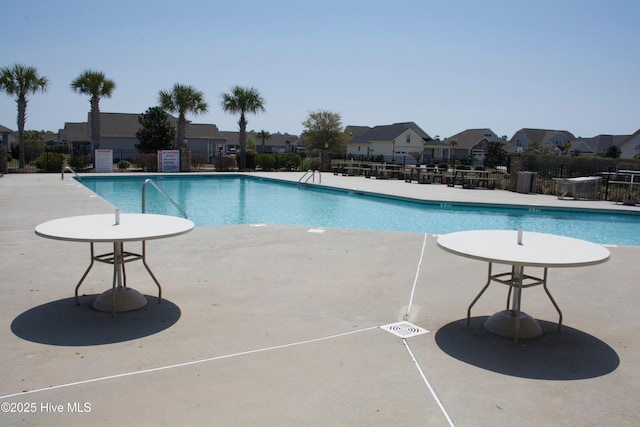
{"points": [[104, 161], [168, 160]]}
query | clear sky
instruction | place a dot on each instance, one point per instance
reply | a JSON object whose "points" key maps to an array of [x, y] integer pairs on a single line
{"points": [[447, 65]]}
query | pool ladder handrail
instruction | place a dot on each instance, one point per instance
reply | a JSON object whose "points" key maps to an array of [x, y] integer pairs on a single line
{"points": [[144, 197], [310, 174], [68, 168]]}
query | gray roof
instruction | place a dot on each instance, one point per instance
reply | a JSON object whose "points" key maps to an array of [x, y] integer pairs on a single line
{"points": [[5, 129], [125, 125], [356, 131], [203, 131], [362, 134], [469, 138], [544, 136], [276, 140], [74, 132], [599, 144], [118, 124]]}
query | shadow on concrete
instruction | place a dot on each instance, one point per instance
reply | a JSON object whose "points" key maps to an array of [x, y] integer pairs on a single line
{"points": [[567, 355], [63, 323]]}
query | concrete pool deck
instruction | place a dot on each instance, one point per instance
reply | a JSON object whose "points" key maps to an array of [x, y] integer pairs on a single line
{"points": [[281, 326]]}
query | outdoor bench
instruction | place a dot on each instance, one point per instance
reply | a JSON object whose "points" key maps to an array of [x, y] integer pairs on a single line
{"points": [[489, 183]]}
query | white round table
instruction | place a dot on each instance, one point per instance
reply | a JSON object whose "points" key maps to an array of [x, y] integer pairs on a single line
{"points": [[520, 249], [116, 228]]}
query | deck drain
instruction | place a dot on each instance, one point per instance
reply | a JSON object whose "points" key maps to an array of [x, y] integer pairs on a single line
{"points": [[404, 329]]}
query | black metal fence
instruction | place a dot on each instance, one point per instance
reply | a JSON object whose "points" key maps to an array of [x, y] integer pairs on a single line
{"points": [[613, 186], [52, 159]]}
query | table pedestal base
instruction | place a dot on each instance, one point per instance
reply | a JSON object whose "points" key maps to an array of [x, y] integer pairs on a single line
{"points": [[126, 299], [503, 323]]}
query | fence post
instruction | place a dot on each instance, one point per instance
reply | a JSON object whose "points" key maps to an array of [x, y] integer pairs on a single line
{"points": [[4, 168]]}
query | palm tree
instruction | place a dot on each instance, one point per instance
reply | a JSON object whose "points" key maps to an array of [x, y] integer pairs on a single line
{"points": [[96, 84], [242, 100], [182, 100], [21, 80], [264, 135]]}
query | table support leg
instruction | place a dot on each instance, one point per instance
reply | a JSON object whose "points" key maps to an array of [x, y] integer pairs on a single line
{"points": [[119, 298], [544, 286], [144, 261], [510, 288], [479, 295], [118, 267], [84, 275], [517, 297], [512, 322]]}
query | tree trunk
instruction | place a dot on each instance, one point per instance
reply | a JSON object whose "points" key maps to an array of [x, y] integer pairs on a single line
{"points": [[181, 131], [22, 113], [242, 124], [95, 122]]}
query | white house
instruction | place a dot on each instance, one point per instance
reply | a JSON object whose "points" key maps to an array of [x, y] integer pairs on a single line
{"points": [[397, 141]]}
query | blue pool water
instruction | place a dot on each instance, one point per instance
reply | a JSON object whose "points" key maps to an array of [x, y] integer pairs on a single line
{"points": [[231, 199]]}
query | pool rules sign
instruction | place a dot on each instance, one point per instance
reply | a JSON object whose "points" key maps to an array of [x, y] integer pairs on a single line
{"points": [[168, 160], [104, 161]]}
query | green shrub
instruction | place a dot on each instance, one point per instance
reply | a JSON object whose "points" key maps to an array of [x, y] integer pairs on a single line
{"points": [[250, 158], [32, 149], [288, 161], [50, 162], [266, 161], [79, 162], [311, 163], [148, 162], [228, 163], [124, 164], [198, 160]]}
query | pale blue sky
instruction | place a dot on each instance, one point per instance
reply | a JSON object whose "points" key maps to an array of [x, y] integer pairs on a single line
{"points": [[447, 65]]}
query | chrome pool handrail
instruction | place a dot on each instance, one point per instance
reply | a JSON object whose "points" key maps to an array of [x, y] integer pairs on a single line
{"points": [[144, 198]]}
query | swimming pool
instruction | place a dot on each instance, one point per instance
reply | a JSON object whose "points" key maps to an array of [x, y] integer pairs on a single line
{"points": [[212, 200]]}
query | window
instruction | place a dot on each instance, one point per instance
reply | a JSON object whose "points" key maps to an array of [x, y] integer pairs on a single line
{"points": [[408, 138]]}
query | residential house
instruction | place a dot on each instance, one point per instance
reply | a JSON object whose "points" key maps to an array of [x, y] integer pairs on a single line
{"points": [[596, 146], [471, 144], [276, 143], [76, 136], [556, 140], [395, 142], [631, 146], [5, 132], [118, 133]]}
